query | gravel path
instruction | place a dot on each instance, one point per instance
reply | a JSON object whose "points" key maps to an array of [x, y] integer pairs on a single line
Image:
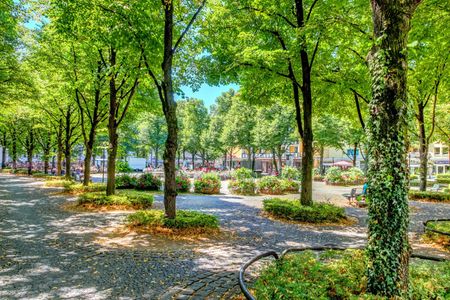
{"points": [[47, 252]]}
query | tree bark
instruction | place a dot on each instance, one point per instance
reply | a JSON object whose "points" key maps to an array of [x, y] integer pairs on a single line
{"points": [[112, 129], [60, 147], [355, 148], [388, 248], [280, 160], [170, 113], [274, 161], [306, 132], [14, 148], [67, 144], [321, 160], [423, 147], [4, 146]]}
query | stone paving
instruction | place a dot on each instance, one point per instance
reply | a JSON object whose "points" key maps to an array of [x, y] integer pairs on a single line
{"points": [[49, 253]]}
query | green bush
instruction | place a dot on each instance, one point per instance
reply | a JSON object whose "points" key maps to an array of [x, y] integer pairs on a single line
{"points": [[126, 181], [134, 199], [352, 176], [342, 275], [122, 166], [289, 185], [242, 173], [76, 188], [413, 177], [59, 182], [39, 175], [417, 183], [242, 186], [429, 196], [183, 219], [20, 171], [270, 185], [183, 182], [443, 178], [291, 173], [293, 210], [333, 175], [148, 182], [207, 183]]}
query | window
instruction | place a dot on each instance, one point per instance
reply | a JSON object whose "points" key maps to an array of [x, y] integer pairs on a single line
{"points": [[437, 150], [444, 150]]}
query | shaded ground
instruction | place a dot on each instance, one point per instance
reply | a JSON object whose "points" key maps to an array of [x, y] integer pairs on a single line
{"points": [[47, 252]]}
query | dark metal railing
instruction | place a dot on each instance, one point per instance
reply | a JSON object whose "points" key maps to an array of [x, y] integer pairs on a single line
{"points": [[434, 230], [274, 254]]}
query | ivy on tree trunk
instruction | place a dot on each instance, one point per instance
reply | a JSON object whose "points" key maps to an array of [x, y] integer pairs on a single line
{"points": [[388, 248]]}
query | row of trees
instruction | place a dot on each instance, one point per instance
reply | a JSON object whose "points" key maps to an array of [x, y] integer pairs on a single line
{"points": [[91, 66]]}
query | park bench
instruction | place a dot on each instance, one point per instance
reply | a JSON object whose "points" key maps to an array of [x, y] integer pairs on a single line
{"points": [[352, 195], [435, 188]]}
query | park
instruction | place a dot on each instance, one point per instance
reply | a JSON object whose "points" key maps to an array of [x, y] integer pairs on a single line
{"points": [[225, 149]]}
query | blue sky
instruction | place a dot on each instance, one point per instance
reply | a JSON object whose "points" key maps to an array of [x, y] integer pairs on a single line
{"points": [[208, 93]]}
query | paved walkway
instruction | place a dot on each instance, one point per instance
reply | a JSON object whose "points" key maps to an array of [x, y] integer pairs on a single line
{"points": [[47, 252]]}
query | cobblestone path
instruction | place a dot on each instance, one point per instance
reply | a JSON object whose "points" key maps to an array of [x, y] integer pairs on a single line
{"points": [[49, 253]]}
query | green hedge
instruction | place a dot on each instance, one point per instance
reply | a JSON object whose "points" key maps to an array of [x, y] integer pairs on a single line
{"points": [[183, 219], [183, 182], [293, 210], [76, 188], [342, 275], [126, 181], [417, 183], [148, 182], [134, 199], [430, 196], [443, 178]]}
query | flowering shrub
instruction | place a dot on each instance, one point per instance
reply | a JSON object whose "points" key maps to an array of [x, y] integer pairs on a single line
{"points": [[242, 173], [148, 182], [207, 183], [335, 175], [291, 173], [183, 182], [270, 185], [290, 186], [126, 181], [243, 186]]}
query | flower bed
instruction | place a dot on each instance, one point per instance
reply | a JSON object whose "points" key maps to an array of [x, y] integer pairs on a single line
{"points": [[126, 181], [207, 183], [184, 222], [336, 176], [123, 198], [183, 182], [270, 185], [148, 182], [342, 275], [294, 211], [429, 196], [242, 187], [291, 173], [290, 186]]}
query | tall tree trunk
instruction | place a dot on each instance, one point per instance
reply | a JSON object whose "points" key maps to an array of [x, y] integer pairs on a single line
{"points": [[355, 148], [87, 165], [67, 145], [60, 147], [321, 160], [280, 160], [156, 157], [46, 160], [253, 159], [4, 146], [249, 158], [231, 159], [30, 161], [306, 133], [225, 160], [274, 161], [112, 129], [170, 113], [14, 148], [193, 160], [388, 248], [423, 148]]}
